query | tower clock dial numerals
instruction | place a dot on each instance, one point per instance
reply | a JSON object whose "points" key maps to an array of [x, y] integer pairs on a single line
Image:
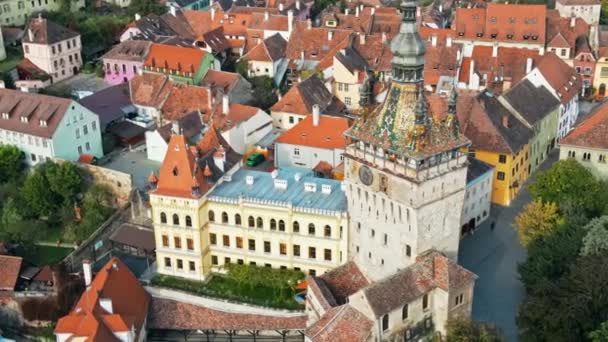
{"points": [[365, 175]]}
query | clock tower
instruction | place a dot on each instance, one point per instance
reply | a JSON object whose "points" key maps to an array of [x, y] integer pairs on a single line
{"points": [[405, 172]]}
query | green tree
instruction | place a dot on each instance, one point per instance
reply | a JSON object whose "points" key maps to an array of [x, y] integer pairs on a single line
{"points": [[600, 334], [11, 163], [464, 330], [596, 239], [264, 93], [569, 309], [242, 67], [64, 180], [9, 82], [13, 227], [569, 181], [145, 7], [36, 192], [537, 220]]}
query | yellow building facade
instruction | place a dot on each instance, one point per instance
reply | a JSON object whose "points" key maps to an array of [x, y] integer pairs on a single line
{"points": [[510, 172], [600, 77]]}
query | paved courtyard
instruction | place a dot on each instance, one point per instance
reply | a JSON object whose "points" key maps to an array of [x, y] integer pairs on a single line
{"points": [[133, 162], [80, 82], [494, 255]]}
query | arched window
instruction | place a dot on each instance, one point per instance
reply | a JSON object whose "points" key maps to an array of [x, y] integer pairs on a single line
{"points": [[385, 322], [273, 224], [405, 312], [251, 222], [175, 219], [211, 216], [224, 217], [311, 229], [327, 231], [163, 218], [296, 227], [259, 222], [188, 221], [281, 225], [237, 219]]}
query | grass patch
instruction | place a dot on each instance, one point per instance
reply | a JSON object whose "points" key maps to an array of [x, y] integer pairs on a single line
{"points": [[14, 55], [43, 255], [225, 288]]}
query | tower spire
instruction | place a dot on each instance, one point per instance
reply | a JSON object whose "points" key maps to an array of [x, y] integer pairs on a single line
{"points": [[408, 48]]}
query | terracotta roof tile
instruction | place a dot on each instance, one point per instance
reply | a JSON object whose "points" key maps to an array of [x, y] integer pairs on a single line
{"points": [[129, 50], [10, 266], [259, 21], [130, 304], [178, 58], [502, 20], [184, 99], [562, 77], [345, 280], [178, 170], [509, 64], [168, 314], [562, 34], [222, 79], [342, 323], [329, 134], [302, 96], [315, 42], [45, 31], [150, 89], [592, 132]]}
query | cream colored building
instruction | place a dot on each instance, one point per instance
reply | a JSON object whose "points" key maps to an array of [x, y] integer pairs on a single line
{"points": [[588, 10], [284, 219], [52, 48], [16, 12]]}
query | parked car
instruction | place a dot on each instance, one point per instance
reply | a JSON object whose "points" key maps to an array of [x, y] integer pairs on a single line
{"points": [[255, 159]]}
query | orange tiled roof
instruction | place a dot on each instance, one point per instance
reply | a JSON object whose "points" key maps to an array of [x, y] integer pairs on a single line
{"points": [[502, 20], [10, 266], [592, 132], [509, 63], [178, 58], [237, 113], [273, 23], [149, 89], [315, 42], [130, 304], [184, 99], [562, 77], [562, 34], [329, 134], [180, 172]]}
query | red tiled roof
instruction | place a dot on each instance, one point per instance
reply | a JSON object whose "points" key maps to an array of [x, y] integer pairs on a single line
{"points": [[150, 89], [184, 99], [178, 58], [315, 42], [329, 134], [562, 34], [223, 79], [344, 280], [341, 323], [273, 23], [562, 77], [130, 304], [508, 65], [180, 173], [502, 20], [168, 314], [237, 113], [10, 266], [592, 132]]}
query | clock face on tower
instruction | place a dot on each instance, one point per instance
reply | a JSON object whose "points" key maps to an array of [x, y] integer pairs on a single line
{"points": [[365, 175]]}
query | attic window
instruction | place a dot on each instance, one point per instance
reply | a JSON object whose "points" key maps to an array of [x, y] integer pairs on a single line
{"points": [[43, 123], [480, 34], [175, 171], [461, 33], [526, 36], [24, 119], [5, 115], [493, 19], [534, 37], [493, 35], [509, 36], [512, 20]]}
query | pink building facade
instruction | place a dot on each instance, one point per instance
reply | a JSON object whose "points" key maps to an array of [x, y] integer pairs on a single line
{"points": [[124, 61]]}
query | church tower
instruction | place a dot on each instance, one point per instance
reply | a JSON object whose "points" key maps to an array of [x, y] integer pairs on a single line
{"points": [[405, 172]]}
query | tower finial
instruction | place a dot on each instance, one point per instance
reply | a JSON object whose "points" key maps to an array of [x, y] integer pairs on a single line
{"points": [[408, 48]]}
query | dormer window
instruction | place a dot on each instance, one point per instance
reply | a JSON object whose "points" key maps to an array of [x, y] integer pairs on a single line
{"points": [[175, 171], [526, 36], [43, 123], [24, 119], [5, 115], [461, 33], [480, 34], [509, 36], [493, 35], [534, 37]]}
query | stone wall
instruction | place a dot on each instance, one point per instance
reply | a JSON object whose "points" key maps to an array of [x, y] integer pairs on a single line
{"points": [[120, 183]]}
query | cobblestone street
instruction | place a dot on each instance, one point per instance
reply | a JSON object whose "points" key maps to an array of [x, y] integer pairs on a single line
{"points": [[493, 256]]}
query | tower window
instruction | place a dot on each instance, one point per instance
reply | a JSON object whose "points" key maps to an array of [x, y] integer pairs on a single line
{"points": [[385, 322]]}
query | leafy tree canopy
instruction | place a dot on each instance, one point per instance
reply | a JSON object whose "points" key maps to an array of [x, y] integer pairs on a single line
{"points": [[537, 220], [596, 240], [600, 334], [464, 330], [11, 163]]}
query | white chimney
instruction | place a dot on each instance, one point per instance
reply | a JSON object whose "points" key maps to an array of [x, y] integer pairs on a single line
{"points": [[298, 5], [418, 12], [357, 11], [362, 38], [326, 189], [346, 11], [383, 37], [290, 21], [529, 62], [266, 16], [495, 50], [2, 85], [330, 35], [309, 22], [373, 10], [106, 304], [302, 55], [249, 180], [572, 21], [175, 127], [212, 12], [297, 177], [86, 269], [137, 16], [281, 7], [173, 10], [140, 71], [24, 89], [471, 71], [280, 184], [434, 40], [440, 8], [448, 41], [30, 34], [316, 115], [225, 104], [274, 174], [310, 187], [219, 159]]}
